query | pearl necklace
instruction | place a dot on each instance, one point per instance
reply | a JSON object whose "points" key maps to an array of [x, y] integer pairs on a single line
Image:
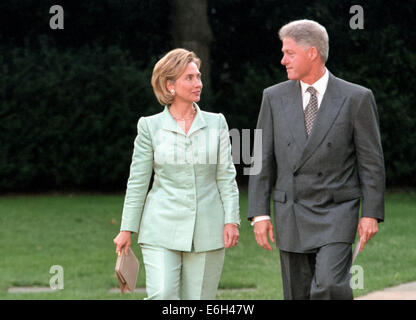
{"points": [[183, 119]]}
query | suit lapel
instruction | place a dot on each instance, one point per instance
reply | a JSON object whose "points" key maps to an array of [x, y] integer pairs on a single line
{"points": [[168, 123], [327, 113], [293, 112], [199, 121]]}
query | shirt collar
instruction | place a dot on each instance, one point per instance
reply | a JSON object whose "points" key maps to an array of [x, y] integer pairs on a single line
{"points": [[170, 124], [320, 85]]}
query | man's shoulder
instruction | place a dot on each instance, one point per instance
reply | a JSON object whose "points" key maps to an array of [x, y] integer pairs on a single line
{"points": [[349, 87], [287, 87], [284, 87]]}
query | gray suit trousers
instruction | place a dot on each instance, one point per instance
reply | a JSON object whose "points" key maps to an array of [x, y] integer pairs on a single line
{"points": [[320, 275]]}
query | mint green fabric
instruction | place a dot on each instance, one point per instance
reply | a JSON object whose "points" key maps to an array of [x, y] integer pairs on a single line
{"points": [[194, 191], [173, 275]]}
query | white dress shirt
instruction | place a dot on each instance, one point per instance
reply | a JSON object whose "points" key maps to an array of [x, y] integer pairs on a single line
{"points": [[320, 86]]}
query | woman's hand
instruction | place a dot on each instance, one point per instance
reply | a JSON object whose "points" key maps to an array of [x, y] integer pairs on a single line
{"points": [[123, 241], [231, 235]]}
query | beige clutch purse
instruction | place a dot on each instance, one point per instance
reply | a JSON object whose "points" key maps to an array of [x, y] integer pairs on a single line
{"points": [[127, 268]]}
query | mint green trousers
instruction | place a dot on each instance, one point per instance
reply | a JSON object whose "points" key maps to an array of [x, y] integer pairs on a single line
{"points": [[173, 275]]}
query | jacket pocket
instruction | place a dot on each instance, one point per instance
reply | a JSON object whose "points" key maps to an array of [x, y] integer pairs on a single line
{"points": [[345, 195], [279, 196]]}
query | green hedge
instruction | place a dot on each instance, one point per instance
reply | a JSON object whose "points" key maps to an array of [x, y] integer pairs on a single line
{"points": [[70, 100], [68, 118]]}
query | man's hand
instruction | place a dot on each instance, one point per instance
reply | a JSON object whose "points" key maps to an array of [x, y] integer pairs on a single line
{"points": [[231, 235], [262, 229], [367, 228]]}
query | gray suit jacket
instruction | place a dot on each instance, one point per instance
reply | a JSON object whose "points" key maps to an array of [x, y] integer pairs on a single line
{"points": [[316, 183]]}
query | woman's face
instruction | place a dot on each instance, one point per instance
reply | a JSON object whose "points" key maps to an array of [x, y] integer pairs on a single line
{"points": [[188, 86]]}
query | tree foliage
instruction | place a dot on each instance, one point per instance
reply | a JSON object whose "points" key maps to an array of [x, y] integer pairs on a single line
{"points": [[70, 99]]}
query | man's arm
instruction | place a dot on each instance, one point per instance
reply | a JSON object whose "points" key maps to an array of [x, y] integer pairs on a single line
{"points": [[370, 163], [261, 184]]}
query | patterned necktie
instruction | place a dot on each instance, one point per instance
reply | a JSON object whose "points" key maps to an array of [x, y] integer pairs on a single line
{"points": [[311, 110]]}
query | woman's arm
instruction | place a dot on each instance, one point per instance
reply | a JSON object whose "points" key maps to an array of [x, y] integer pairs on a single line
{"points": [[141, 169], [226, 174]]}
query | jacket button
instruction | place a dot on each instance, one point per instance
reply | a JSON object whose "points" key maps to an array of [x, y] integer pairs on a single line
{"points": [[319, 174], [329, 144], [295, 174]]}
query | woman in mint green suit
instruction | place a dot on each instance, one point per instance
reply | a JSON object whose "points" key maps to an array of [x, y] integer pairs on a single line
{"points": [[191, 213]]}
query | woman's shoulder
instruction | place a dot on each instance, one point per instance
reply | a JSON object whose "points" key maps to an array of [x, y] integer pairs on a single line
{"points": [[213, 119], [215, 116], [153, 118], [150, 122]]}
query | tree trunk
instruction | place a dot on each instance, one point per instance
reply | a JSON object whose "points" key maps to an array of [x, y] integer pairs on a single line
{"points": [[191, 31]]}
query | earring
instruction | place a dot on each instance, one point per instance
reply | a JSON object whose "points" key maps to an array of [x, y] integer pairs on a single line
{"points": [[172, 92]]}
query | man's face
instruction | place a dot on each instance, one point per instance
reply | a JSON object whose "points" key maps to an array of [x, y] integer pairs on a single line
{"points": [[296, 59]]}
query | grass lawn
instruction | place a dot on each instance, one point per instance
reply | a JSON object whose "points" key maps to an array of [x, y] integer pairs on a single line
{"points": [[76, 232]]}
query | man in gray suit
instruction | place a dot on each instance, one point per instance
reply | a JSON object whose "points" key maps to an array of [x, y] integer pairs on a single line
{"points": [[321, 153]]}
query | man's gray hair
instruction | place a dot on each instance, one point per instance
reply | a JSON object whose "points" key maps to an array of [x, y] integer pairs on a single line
{"points": [[307, 33]]}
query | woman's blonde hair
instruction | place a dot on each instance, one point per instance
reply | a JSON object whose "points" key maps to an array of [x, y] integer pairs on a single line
{"points": [[170, 67]]}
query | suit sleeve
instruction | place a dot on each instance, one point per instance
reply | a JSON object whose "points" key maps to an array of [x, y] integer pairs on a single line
{"points": [[370, 160], [264, 170], [226, 175], [141, 169]]}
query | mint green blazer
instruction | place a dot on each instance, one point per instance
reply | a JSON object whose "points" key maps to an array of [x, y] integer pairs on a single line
{"points": [[194, 192]]}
